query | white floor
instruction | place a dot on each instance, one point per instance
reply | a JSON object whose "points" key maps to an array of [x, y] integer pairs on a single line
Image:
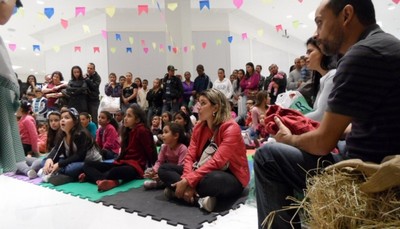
{"points": [[24, 205]]}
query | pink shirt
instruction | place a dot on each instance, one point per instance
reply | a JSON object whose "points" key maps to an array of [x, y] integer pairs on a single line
{"points": [[173, 156], [28, 132]]}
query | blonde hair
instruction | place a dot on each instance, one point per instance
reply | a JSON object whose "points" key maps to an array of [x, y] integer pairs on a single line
{"points": [[216, 97]]}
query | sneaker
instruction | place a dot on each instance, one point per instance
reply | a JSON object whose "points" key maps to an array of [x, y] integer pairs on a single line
{"points": [[150, 184], [82, 177], [60, 179], [45, 178], [208, 203], [32, 174], [169, 193], [105, 185]]}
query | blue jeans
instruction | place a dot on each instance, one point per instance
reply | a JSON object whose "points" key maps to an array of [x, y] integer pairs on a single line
{"points": [[279, 171], [73, 169]]}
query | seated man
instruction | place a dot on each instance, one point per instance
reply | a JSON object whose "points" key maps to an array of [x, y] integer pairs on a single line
{"points": [[347, 28]]}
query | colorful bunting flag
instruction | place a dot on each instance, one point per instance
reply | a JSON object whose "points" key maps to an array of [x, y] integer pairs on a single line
{"points": [[113, 49], [86, 28], [396, 1], [204, 3], [64, 23], [172, 6], [96, 49], [204, 45], [185, 49], [279, 28], [169, 48], [110, 11], [131, 40], [77, 49], [56, 48], [128, 50], [104, 34], [296, 24], [260, 32], [36, 48], [49, 12], [118, 37], [192, 47], [12, 47], [80, 10], [175, 50], [143, 9], [218, 42], [244, 36], [230, 39], [154, 45], [238, 3], [145, 50]]}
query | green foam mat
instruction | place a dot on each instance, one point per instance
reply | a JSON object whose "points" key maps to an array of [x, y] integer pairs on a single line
{"points": [[89, 191]]}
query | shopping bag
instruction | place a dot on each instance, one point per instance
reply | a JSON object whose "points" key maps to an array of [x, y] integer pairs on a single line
{"points": [[293, 100], [110, 104]]}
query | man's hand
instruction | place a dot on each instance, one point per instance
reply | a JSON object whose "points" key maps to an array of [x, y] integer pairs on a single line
{"points": [[284, 134]]}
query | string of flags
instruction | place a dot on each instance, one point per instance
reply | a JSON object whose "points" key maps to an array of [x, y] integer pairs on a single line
{"points": [[49, 12]]}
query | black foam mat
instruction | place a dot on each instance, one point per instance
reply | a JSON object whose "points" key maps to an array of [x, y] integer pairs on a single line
{"points": [[153, 203]]}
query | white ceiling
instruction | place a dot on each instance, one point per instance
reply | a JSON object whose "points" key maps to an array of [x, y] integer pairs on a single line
{"points": [[27, 26]]}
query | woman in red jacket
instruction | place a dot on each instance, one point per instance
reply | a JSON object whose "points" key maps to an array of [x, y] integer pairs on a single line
{"points": [[225, 173]]}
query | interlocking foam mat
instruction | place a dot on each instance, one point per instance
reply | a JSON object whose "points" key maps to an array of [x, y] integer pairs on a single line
{"points": [[89, 191], [153, 203], [23, 178]]}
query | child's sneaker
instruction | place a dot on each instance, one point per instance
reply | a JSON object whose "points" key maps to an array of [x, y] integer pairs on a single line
{"points": [[60, 179], [208, 203], [105, 185], [45, 178], [150, 184], [32, 174], [169, 193]]}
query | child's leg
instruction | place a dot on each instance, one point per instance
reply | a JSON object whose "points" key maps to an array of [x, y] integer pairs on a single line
{"points": [[22, 168], [95, 170], [170, 173], [122, 172]]}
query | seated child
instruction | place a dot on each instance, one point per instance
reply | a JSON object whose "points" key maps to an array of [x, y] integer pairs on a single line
{"points": [[156, 130], [173, 151], [27, 129], [107, 137], [86, 122], [137, 151]]}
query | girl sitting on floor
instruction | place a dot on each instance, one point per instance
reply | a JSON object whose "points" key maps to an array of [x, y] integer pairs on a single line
{"points": [[137, 151], [73, 146], [107, 136], [86, 122], [27, 129], [173, 152], [183, 119]]}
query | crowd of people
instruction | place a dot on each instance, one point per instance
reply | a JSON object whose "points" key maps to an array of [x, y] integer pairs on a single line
{"points": [[201, 127]]}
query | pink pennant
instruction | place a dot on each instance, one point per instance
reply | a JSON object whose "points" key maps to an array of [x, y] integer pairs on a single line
{"points": [[175, 49], [12, 47], [279, 28], [146, 50], [204, 45], [161, 47], [143, 9], [77, 48], [80, 10], [301, 1], [244, 36], [104, 34], [96, 49], [238, 3], [143, 42], [396, 1], [64, 23], [185, 49]]}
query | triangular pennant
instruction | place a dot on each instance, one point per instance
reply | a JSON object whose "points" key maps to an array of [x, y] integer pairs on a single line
{"points": [[230, 39], [77, 49], [49, 12], [96, 49], [204, 45], [12, 47], [86, 28], [143, 9], [64, 23], [128, 50], [118, 37], [131, 40], [172, 6], [113, 49], [204, 3], [110, 11], [36, 48], [80, 10], [238, 3]]}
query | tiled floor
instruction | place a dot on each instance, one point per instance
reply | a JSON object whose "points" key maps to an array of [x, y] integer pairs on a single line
{"points": [[24, 205]]}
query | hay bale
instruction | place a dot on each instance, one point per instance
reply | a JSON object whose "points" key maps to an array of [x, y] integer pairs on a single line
{"points": [[333, 200]]}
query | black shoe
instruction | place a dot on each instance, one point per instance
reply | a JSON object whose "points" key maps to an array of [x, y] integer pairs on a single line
{"points": [[60, 179]]}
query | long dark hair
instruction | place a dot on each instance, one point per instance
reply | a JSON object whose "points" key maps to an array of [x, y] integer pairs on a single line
{"points": [[76, 131], [238, 80], [178, 129], [111, 119], [186, 117], [327, 63], [51, 134], [139, 114], [247, 73], [72, 73]]}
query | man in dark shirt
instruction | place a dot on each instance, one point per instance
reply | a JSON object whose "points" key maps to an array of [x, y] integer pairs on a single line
{"points": [[172, 91], [202, 81], [365, 95], [93, 81]]}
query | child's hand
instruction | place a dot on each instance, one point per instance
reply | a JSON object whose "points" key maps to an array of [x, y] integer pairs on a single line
{"points": [[155, 177], [149, 173], [47, 168]]}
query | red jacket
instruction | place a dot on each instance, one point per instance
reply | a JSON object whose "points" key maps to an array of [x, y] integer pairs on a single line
{"points": [[139, 151], [292, 119], [231, 148], [28, 132], [107, 138]]}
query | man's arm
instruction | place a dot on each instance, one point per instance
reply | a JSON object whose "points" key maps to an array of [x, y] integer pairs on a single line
{"points": [[320, 141]]}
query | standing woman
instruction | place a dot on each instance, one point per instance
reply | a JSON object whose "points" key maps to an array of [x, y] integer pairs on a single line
{"points": [[129, 92], [249, 82], [77, 90], [238, 94], [187, 88], [223, 84], [225, 173], [31, 84], [324, 72], [53, 90], [11, 150], [154, 97]]}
